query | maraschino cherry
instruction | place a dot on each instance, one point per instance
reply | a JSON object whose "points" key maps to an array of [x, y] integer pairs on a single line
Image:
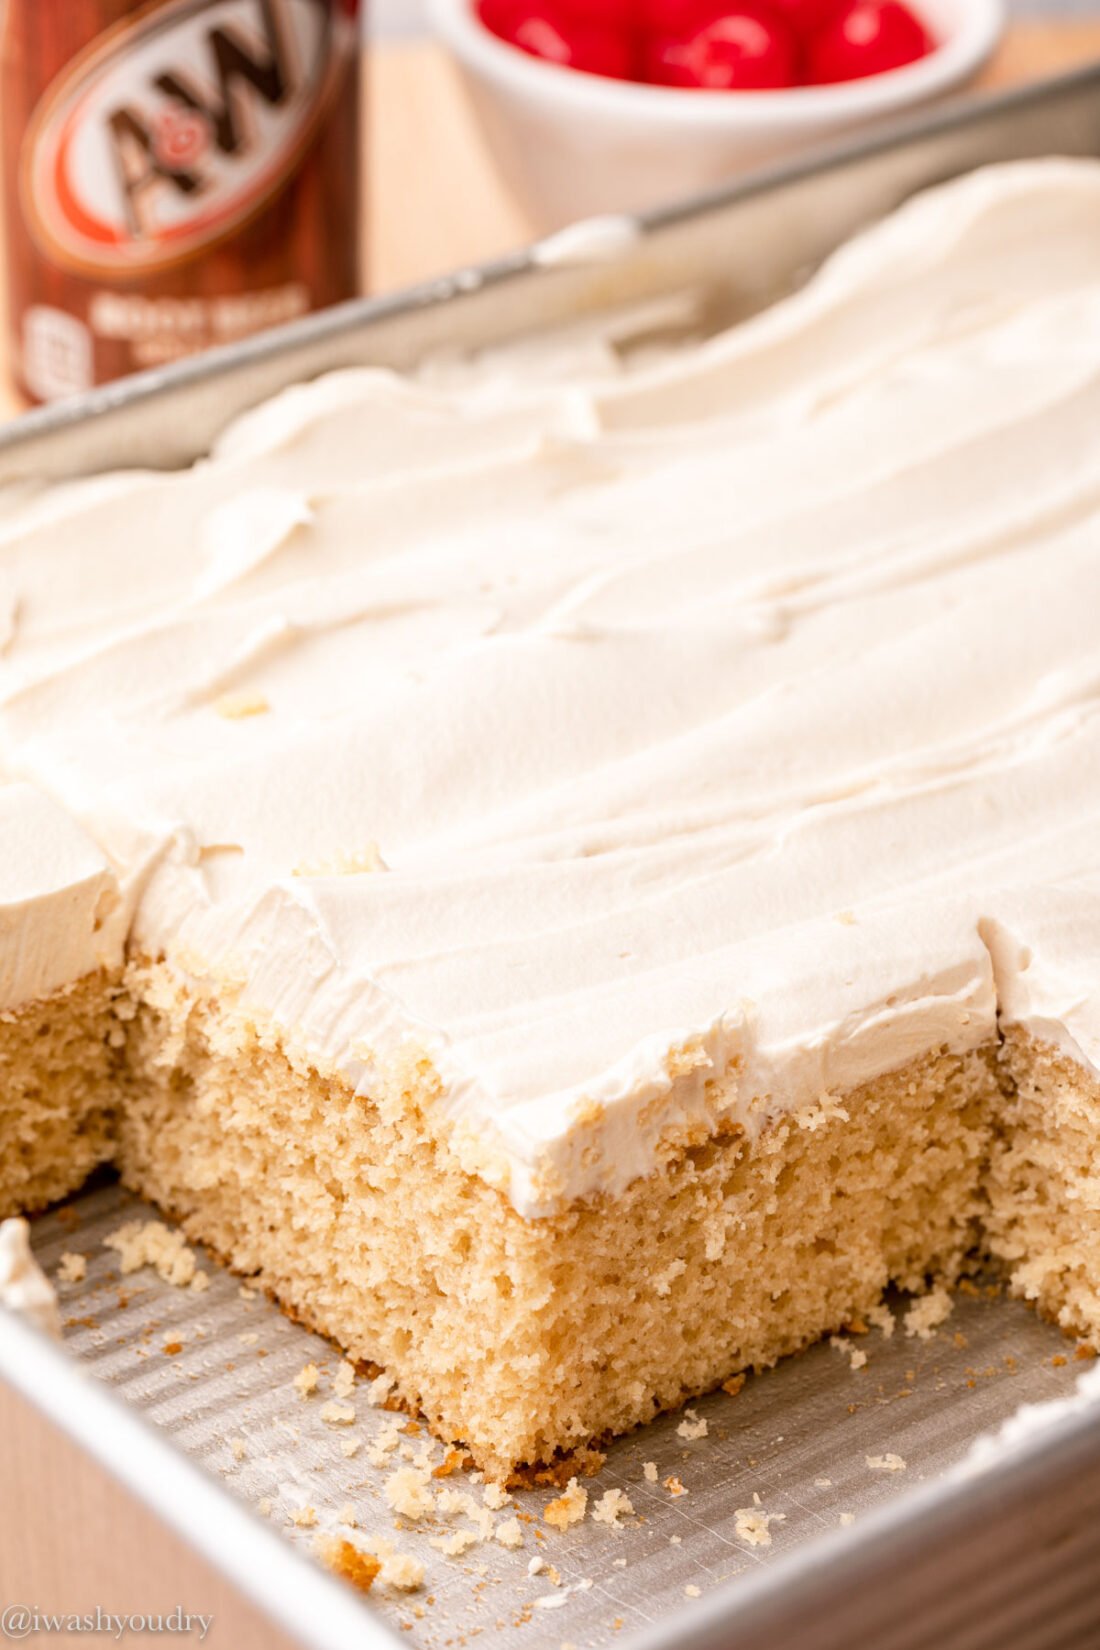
{"points": [[866, 37], [716, 45], [744, 47], [554, 31], [807, 16]]}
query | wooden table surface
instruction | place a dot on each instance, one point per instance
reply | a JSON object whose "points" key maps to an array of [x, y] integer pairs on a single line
{"points": [[434, 201]]}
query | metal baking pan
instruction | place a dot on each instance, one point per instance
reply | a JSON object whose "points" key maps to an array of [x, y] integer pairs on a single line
{"points": [[937, 1552]]}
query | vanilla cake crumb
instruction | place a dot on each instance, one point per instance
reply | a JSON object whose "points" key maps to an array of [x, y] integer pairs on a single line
{"points": [[881, 1318], [239, 1448], [338, 1415], [925, 1315], [343, 1382], [306, 1380], [304, 1517], [347, 1515], [379, 1390], [856, 1356], [451, 1502], [692, 1426], [344, 1559], [454, 1544], [382, 1448], [847, 1518], [649, 1470], [349, 1447], [72, 1268], [691, 1591], [674, 1487], [402, 1572], [569, 1508], [886, 1463], [495, 1496], [151, 1243], [510, 1533], [753, 1524], [612, 1506], [263, 1506], [408, 1491]]}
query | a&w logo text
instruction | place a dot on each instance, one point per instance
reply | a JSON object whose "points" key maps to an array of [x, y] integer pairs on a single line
{"points": [[166, 134]]}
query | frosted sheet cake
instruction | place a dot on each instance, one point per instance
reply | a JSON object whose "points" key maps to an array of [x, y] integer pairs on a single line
{"points": [[601, 855]]}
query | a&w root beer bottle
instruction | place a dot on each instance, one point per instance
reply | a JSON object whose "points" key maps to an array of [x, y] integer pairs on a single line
{"points": [[177, 174]]}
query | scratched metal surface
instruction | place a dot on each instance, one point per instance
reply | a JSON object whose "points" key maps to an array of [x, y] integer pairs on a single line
{"points": [[215, 1370]]}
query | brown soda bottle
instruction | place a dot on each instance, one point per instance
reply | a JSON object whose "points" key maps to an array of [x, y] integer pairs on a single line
{"points": [[177, 174]]}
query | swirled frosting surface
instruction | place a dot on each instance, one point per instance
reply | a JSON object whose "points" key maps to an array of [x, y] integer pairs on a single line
{"points": [[657, 746]]}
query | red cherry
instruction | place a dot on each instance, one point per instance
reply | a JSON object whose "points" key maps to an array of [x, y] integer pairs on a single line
{"points": [[550, 30], [807, 16], [678, 17], [867, 37], [615, 14], [746, 47]]}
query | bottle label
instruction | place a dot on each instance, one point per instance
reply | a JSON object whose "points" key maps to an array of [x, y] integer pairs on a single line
{"points": [[176, 127]]}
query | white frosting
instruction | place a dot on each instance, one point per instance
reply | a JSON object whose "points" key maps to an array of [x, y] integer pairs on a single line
{"points": [[657, 745], [24, 1287], [1044, 948], [589, 241], [61, 915]]}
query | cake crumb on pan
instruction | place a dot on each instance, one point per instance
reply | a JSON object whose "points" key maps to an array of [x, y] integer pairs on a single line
{"points": [[343, 1382], [569, 1508], [345, 1559], [408, 1492], [924, 1317], [141, 1243], [612, 1506], [307, 1380], [753, 1524], [337, 1415], [402, 1572]]}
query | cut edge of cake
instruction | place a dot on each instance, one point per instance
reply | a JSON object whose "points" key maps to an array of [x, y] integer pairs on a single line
{"points": [[531, 1340]]}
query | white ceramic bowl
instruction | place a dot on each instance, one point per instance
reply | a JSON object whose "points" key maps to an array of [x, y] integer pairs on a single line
{"points": [[573, 145]]}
